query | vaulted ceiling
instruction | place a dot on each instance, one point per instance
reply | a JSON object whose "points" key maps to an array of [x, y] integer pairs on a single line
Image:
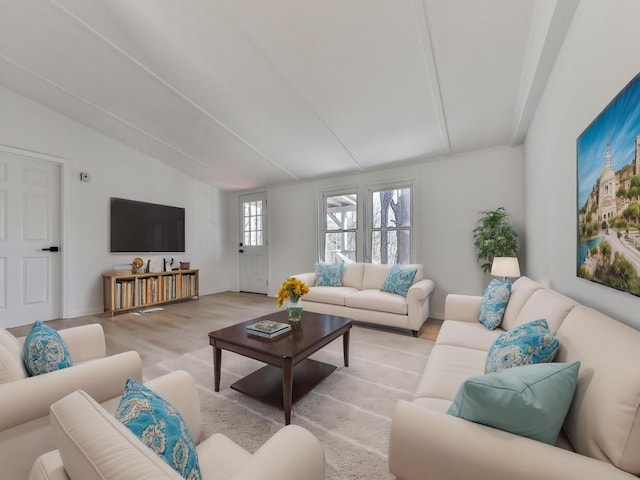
{"points": [[249, 93]]}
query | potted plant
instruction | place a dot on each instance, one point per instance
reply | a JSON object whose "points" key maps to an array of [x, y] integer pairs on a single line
{"points": [[494, 237]]}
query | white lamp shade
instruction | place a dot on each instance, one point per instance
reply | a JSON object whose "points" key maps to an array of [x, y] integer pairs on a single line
{"points": [[505, 267]]}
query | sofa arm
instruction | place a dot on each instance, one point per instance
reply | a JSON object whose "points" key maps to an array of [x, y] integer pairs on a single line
{"points": [[308, 278], [463, 308], [27, 399], [292, 453], [427, 444], [419, 291]]}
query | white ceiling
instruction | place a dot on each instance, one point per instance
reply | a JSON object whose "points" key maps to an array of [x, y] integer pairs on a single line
{"points": [[249, 93]]}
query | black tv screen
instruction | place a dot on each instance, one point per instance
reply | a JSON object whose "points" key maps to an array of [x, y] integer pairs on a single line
{"points": [[140, 227]]}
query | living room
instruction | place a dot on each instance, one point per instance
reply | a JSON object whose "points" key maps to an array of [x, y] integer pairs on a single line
{"points": [[535, 181]]}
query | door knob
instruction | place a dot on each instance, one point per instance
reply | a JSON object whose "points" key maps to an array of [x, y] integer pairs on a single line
{"points": [[51, 249], [241, 251]]}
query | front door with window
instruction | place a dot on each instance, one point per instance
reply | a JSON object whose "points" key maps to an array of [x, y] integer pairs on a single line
{"points": [[29, 227], [253, 243]]}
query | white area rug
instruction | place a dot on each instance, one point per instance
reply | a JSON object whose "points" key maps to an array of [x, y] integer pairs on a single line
{"points": [[350, 411]]}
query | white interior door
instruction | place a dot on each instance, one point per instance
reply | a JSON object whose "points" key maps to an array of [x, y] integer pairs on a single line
{"points": [[253, 243], [29, 224]]}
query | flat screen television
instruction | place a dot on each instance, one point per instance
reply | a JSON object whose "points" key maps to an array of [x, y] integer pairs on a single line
{"points": [[140, 227]]}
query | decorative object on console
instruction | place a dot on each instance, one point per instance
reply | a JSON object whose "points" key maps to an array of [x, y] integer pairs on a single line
{"points": [[505, 267], [530, 400], [185, 266], [159, 425], [329, 274], [292, 289], [494, 303], [399, 280], [494, 237], [44, 350], [522, 345], [136, 265]]}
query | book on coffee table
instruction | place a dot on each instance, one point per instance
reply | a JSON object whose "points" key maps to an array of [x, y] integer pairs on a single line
{"points": [[268, 328]]}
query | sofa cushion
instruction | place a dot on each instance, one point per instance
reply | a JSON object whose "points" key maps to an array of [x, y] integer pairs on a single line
{"points": [[44, 350], [548, 304], [93, 445], [531, 400], [524, 345], [329, 274], [332, 295], [160, 427], [604, 419], [447, 367], [494, 302], [399, 280], [378, 301], [375, 274], [467, 334], [11, 362], [352, 275], [521, 291]]}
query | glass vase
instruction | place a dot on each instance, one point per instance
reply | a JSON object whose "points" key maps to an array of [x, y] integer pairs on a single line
{"points": [[294, 309]]}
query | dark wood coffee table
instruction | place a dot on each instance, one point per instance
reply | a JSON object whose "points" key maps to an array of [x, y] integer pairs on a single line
{"points": [[289, 373]]}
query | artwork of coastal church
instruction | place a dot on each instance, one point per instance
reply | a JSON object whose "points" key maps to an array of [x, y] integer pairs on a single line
{"points": [[609, 194]]}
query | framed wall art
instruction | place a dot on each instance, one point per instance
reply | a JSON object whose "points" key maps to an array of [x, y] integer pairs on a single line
{"points": [[608, 191]]}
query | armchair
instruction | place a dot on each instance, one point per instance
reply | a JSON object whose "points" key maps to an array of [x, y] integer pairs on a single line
{"points": [[92, 444], [24, 417]]}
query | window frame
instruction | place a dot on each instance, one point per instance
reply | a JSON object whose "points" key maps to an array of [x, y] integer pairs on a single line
{"points": [[364, 222]]}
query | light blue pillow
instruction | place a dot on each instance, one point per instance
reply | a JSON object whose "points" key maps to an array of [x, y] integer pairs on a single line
{"points": [[523, 345], [494, 303], [531, 401], [160, 427], [44, 350], [329, 274], [399, 280]]}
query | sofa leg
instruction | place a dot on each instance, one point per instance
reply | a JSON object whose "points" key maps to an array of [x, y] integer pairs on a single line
{"points": [[415, 333]]}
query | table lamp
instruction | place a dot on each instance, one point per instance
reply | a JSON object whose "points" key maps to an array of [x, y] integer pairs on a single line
{"points": [[505, 267]]}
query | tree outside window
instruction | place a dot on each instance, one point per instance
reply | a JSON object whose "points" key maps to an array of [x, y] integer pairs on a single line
{"points": [[391, 226]]}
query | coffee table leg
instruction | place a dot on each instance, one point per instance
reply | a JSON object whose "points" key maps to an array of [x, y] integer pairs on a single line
{"points": [[217, 360], [345, 347], [287, 390]]}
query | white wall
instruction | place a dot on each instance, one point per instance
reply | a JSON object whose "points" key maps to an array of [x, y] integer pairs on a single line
{"points": [[451, 193], [116, 170], [598, 58]]}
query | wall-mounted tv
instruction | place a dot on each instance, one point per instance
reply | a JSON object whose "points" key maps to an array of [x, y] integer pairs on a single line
{"points": [[140, 227]]}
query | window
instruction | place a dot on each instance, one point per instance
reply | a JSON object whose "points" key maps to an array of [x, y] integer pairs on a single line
{"points": [[340, 227], [390, 232], [253, 227]]}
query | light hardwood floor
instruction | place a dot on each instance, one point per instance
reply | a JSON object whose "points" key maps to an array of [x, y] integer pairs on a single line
{"points": [[182, 327]]}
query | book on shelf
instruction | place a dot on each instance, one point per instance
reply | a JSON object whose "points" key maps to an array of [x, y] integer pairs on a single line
{"points": [[268, 329]]}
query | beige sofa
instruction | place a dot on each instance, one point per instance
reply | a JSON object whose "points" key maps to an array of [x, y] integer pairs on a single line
{"points": [[92, 444], [25, 401], [600, 438], [360, 297]]}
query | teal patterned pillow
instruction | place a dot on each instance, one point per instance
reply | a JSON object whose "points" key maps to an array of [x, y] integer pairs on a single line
{"points": [[527, 344], [160, 427], [44, 350], [399, 280], [329, 274], [494, 303]]}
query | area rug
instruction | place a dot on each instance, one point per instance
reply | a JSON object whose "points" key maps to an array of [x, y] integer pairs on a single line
{"points": [[349, 412]]}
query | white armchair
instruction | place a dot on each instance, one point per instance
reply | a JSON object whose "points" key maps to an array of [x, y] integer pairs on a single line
{"points": [[25, 401], [92, 444]]}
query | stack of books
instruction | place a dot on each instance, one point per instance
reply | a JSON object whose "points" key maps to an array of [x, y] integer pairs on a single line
{"points": [[268, 329]]}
